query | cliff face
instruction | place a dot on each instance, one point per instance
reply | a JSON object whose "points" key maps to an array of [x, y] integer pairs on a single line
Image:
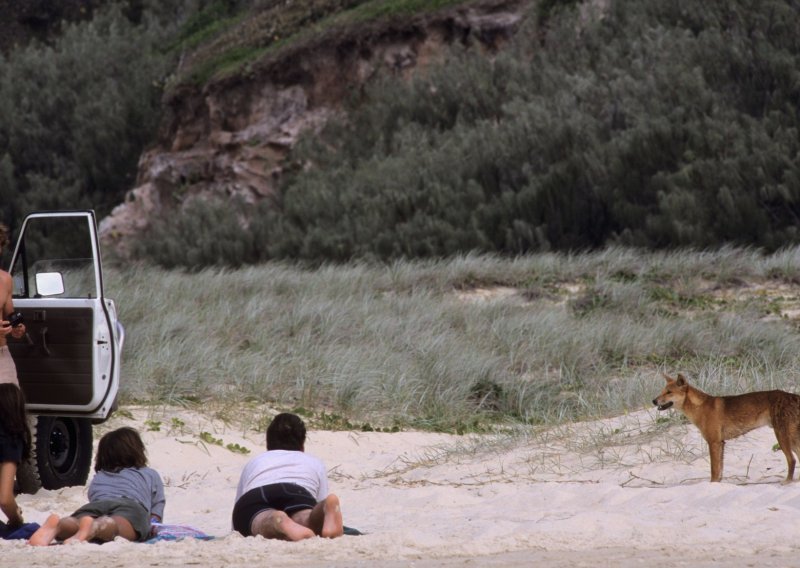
{"points": [[230, 137]]}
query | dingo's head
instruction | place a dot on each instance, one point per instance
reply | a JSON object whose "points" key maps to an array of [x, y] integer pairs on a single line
{"points": [[674, 393]]}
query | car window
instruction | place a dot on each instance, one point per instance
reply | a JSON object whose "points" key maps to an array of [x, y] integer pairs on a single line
{"points": [[61, 245]]}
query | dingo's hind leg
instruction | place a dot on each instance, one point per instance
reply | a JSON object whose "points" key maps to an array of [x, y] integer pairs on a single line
{"points": [[788, 441]]}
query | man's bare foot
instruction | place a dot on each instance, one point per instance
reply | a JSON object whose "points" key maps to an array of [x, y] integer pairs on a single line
{"points": [[333, 525], [85, 531], [45, 534], [288, 529]]}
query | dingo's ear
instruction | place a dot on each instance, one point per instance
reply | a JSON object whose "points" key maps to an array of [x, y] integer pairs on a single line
{"points": [[681, 380], [667, 377]]}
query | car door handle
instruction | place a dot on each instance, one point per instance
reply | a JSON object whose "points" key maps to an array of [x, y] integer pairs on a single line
{"points": [[44, 341]]}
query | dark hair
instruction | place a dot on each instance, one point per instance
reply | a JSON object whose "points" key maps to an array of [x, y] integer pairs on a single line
{"points": [[286, 432], [119, 449], [13, 416], [4, 238]]}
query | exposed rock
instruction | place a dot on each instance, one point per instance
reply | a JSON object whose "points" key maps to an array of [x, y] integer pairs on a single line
{"points": [[231, 137]]}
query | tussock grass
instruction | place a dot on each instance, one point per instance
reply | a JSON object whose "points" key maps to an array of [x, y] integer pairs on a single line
{"points": [[405, 345]]}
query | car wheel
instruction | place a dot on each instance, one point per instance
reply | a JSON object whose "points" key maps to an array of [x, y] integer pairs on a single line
{"points": [[62, 452]]}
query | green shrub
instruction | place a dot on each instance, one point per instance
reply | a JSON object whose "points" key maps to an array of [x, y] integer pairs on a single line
{"points": [[202, 233], [76, 115], [655, 126]]}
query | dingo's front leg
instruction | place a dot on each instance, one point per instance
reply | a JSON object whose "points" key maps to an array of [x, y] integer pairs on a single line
{"points": [[717, 453]]}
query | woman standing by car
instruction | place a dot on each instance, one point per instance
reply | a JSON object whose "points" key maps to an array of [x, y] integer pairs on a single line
{"points": [[8, 372]]}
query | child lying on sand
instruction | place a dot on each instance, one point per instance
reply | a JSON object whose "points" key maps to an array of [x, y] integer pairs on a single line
{"points": [[124, 496]]}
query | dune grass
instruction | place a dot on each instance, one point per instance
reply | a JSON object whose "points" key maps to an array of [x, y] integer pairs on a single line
{"points": [[431, 345]]}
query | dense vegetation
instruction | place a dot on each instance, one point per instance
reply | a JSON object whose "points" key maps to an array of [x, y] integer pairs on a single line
{"points": [[661, 124], [77, 110], [656, 124], [463, 343], [651, 124], [74, 116]]}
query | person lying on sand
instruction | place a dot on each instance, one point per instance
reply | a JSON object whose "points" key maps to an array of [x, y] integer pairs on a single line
{"points": [[124, 496], [283, 493]]}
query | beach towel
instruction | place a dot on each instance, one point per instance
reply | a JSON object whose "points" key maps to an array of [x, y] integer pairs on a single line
{"points": [[352, 532], [24, 531], [160, 532]]}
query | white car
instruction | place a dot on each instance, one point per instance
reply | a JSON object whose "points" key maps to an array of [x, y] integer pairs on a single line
{"points": [[68, 365]]}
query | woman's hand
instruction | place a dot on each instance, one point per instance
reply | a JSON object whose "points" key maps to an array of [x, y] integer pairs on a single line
{"points": [[18, 521], [18, 331]]}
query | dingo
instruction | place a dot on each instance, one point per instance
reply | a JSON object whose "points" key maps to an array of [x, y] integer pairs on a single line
{"points": [[721, 418]]}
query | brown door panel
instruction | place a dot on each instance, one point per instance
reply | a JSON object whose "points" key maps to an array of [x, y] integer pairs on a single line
{"points": [[54, 363]]}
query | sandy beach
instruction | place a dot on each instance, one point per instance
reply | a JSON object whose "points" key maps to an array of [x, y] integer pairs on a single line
{"points": [[628, 491]]}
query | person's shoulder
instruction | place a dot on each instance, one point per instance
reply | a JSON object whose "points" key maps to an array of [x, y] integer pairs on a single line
{"points": [[5, 278], [257, 458], [152, 475], [312, 458], [146, 471]]}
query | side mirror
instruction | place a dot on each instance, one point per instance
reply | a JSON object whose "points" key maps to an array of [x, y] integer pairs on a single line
{"points": [[49, 284]]}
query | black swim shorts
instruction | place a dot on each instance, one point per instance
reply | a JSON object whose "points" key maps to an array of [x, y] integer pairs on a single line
{"points": [[286, 497]]}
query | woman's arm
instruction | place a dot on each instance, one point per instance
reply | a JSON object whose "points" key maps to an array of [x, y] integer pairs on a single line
{"points": [[8, 470]]}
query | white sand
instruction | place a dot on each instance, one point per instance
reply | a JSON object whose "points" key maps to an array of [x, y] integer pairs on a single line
{"points": [[628, 491]]}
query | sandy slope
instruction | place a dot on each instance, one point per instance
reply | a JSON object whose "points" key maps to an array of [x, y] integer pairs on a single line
{"points": [[628, 491]]}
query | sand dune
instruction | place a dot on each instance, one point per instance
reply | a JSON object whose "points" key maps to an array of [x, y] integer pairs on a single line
{"points": [[627, 491]]}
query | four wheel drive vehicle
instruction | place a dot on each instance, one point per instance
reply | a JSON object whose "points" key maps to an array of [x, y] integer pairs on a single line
{"points": [[68, 363]]}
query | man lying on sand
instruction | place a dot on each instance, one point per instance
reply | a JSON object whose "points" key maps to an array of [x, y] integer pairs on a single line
{"points": [[283, 493]]}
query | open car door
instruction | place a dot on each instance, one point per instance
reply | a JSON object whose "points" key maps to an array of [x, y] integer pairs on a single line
{"points": [[68, 364]]}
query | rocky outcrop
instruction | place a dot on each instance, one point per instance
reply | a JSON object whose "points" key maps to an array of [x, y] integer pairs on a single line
{"points": [[230, 138]]}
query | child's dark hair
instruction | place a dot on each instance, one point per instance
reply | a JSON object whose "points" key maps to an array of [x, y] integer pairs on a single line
{"points": [[13, 416], [119, 449], [286, 432]]}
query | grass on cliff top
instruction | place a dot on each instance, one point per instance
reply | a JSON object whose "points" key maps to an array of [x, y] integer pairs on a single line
{"points": [[219, 44], [465, 343], [393, 8]]}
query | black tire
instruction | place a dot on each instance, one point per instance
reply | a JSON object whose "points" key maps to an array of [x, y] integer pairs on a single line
{"points": [[62, 451]]}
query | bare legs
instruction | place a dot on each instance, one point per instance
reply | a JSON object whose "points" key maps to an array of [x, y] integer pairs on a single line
{"points": [[331, 512], [8, 503], [70, 529], [45, 534], [325, 520]]}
